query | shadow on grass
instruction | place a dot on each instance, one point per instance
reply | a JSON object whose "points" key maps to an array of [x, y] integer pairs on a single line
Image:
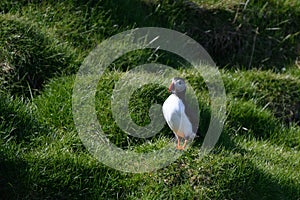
{"points": [[259, 35], [28, 58], [254, 35], [60, 178], [12, 176]]}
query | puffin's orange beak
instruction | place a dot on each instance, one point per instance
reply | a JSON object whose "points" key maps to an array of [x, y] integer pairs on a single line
{"points": [[171, 87]]}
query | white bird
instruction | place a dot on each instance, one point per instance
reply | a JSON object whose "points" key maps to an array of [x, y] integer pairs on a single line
{"points": [[179, 116]]}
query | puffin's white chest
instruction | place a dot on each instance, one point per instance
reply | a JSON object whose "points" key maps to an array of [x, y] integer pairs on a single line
{"points": [[175, 116]]}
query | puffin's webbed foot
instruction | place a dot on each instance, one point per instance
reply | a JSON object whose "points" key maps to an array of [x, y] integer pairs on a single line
{"points": [[178, 144]]}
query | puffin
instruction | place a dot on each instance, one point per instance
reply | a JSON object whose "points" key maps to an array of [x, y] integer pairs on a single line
{"points": [[180, 117]]}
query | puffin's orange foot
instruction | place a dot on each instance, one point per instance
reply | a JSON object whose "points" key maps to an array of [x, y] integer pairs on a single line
{"points": [[179, 147]]}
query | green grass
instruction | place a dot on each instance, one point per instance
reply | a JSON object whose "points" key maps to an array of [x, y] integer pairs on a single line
{"points": [[42, 45]]}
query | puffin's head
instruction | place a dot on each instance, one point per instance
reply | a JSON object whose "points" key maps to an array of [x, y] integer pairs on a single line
{"points": [[177, 86]]}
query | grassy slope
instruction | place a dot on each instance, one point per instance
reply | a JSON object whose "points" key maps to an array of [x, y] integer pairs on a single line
{"points": [[43, 44]]}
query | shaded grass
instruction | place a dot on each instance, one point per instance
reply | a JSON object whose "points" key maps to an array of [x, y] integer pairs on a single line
{"points": [[254, 35], [258, 34], [28, 57]]}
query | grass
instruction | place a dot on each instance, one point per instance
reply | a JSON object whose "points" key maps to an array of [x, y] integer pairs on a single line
{"points": [[42, 45]]}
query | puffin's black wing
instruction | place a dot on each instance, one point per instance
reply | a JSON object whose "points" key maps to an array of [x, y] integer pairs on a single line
{"points": [[193, 116]]}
